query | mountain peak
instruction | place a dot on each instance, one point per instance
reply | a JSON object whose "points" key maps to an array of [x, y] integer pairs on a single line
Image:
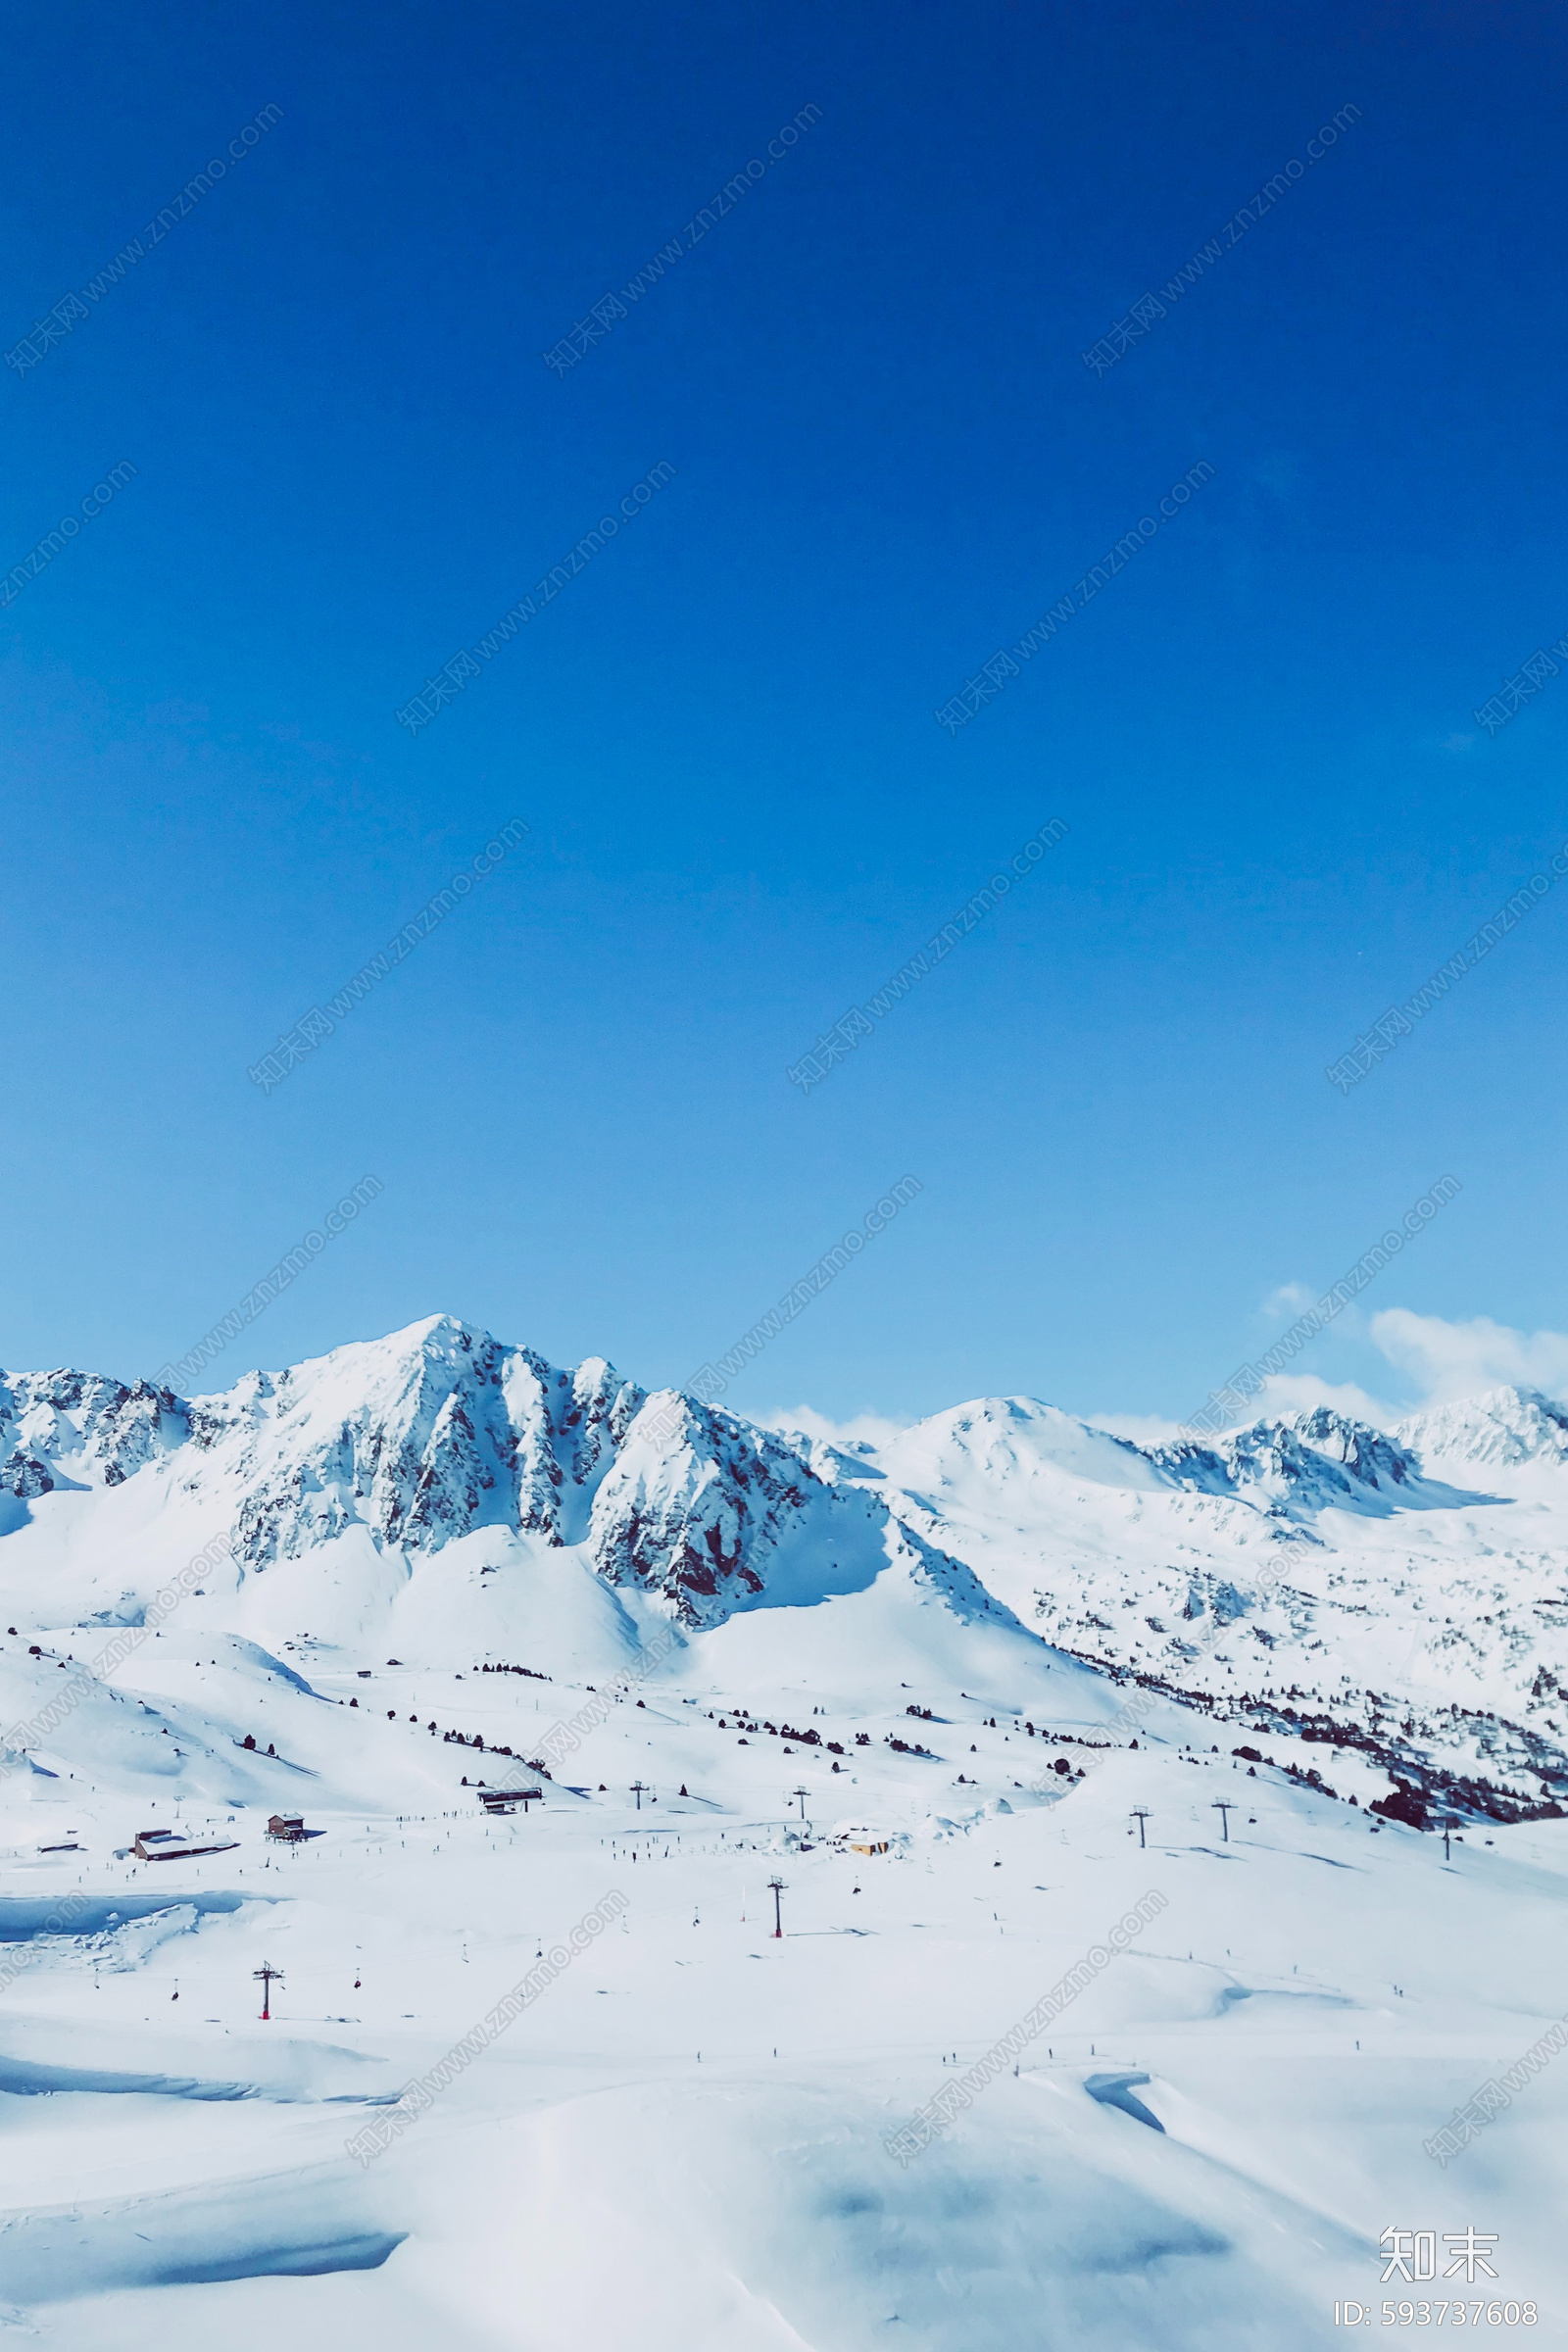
{"points": [[1504, 1428], [997, 1436], [437, 1432]]}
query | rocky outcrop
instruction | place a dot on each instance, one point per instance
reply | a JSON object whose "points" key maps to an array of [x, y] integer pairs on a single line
{"points": [[1504, 1429], [25, 1478], [694, 1514], [435, 1433], [1297, 1467], [85, 1429]]}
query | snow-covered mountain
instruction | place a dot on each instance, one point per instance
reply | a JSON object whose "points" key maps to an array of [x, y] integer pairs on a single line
{"points": [[395, 1449], [931, 1694], [1403, 1593], [1509, 1428]]}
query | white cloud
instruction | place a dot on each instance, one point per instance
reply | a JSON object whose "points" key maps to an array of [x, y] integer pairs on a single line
{"points": [[1289, 1298], [1303, 1391], [867, 1429], [1144, 1429], [1461, 1359], [1284, 1394], [1440, 1361]]}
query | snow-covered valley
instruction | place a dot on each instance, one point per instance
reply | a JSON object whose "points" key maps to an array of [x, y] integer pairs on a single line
{"points": [[1140, 2034]]}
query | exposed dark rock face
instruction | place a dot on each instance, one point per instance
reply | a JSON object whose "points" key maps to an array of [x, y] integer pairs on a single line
{"points": [[440, 1431]]}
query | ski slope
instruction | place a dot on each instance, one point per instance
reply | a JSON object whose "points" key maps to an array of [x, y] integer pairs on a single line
{"points": [[687, 2132]]}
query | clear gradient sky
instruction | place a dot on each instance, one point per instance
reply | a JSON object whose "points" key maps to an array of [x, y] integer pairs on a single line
{"points": [[891, 458]]}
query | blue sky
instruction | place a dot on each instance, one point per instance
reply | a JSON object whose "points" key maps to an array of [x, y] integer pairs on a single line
{"points": [[890, 460]]}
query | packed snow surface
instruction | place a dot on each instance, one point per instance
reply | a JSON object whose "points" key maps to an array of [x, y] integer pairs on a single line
{"points": [[1139, 2034]]}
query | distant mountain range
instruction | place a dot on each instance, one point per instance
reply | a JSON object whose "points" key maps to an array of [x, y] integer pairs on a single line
{"points": [[1405, 1591]]}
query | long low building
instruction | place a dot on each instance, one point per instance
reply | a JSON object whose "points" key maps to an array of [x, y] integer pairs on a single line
{"points": [[167, 1846]]}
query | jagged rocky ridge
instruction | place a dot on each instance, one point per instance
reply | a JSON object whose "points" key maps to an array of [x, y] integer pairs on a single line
{"points": [[1403, 1592], [441, 1431], [1312, 1462], [74, 1429]]}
